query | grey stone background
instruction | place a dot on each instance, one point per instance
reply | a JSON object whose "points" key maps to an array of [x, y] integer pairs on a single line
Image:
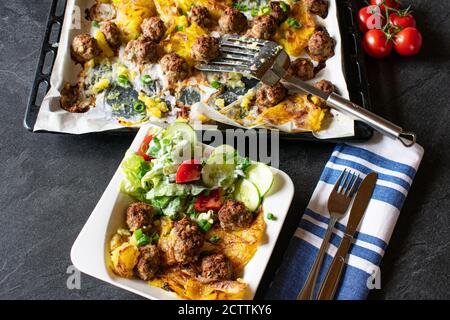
{"points": [[49, 184]]}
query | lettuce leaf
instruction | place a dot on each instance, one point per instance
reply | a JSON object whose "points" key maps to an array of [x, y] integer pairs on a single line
{"points": [[134, 168]]}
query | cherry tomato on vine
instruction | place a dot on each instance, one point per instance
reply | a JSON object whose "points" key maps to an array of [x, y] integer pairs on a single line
{"points": [[408, 42], [395, 4], [402, 21], [369, 18], [376, 44]]}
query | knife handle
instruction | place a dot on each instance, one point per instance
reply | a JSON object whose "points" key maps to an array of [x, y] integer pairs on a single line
{"points": [[330, 283]]}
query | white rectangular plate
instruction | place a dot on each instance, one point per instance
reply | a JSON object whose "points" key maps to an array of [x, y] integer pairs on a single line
{"points": [[90, 252]]}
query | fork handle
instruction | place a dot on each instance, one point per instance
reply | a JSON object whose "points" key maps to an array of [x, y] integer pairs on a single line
{"points": [[330, 284], [353, 110], [307, 292]]}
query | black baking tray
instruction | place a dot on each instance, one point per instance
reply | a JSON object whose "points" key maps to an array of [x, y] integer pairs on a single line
{"points": [[353, 64]]}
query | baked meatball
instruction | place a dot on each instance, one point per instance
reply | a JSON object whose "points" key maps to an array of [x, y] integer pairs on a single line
{"points": [[187, 240], [153, 29], [234, 215], [302, 68], [112, 33], [279, 11], [205, 49], [325, 86], [139, 214], [141, 51], [149, 262], [232, 21], [319, 7], [84, 48], [200, 15], [174, 67], [217, 267], [69, 100], [263, 27], [268, 96], [321, 45]]}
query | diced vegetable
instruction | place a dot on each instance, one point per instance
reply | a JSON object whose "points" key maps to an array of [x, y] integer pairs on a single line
{"points": [[189, 171], [270, 216], [210, 201]]}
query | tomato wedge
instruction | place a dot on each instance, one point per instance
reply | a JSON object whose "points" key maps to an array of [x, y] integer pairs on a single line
{"points": [[190, 170], [213, 201], [144, 147]]}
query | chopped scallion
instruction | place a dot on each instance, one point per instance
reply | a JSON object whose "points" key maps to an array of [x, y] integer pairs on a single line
{"points": [[139, 107], [216, 84], [270, 216]]}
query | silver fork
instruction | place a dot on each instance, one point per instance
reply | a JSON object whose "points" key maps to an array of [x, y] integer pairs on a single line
{"points": [[268, 62], [338, 203]]}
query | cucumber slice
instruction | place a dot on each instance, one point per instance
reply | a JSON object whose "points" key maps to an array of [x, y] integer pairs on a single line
{"points": [[187, 132], [218, 171], [261, 175], [248, 193]]}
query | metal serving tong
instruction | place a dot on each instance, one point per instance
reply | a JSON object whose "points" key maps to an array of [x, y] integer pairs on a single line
{"points": [[268, 62]]}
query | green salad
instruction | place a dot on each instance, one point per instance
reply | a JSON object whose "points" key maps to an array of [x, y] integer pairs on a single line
{"points": [[172, 172]]}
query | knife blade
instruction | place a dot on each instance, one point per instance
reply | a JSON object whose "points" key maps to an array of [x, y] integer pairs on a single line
{"points": [[361, 202], [362, 199]]}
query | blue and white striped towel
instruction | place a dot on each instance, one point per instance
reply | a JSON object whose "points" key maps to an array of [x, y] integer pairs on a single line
{"points": [[396, 167]]}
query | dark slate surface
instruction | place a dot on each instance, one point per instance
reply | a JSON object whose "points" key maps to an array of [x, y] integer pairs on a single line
{"points": [[50, 183]]}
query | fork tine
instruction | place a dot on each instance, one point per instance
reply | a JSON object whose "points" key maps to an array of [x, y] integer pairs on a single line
{"points": [[338, 182], [344, 183], [350, 185], [354, 186], [238, 50], [237, 57]]}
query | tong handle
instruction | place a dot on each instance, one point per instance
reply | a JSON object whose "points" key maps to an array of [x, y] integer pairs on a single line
{"points": [[330, 284], [351, 109], [375, 121]]}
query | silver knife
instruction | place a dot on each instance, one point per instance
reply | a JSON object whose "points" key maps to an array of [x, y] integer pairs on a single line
{"points": [[331, 281]]}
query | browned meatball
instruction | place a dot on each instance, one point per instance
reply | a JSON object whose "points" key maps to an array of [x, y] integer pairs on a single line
{"points": [[149, 262], [174, 67], [217, 267], [112, 33], [234, 215], [139, 214], [141, 51], [321, 45], [153, 29], [268, 96], [205, 49], [319, 7], [188, 240], [84, 48], [263, 27], [279, 11], [325, 86], [200, 15], [302, 68], [232, 21], [69, 100]]}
